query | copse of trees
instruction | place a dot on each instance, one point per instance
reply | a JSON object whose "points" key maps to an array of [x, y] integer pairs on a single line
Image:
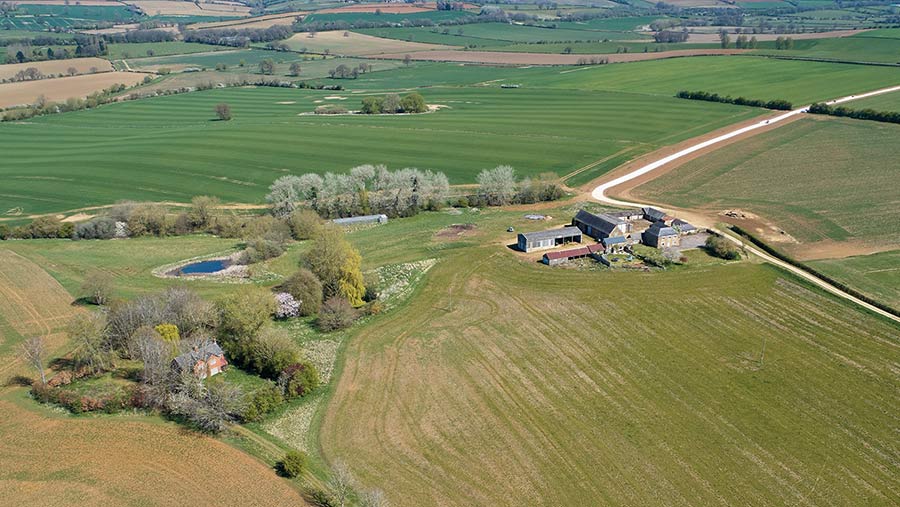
{"points": [[722, 248], [671, 36], [365, 190], [238, 37], [777, 104], [392, 104], [500, 186], [859, 114], [139, 36]]}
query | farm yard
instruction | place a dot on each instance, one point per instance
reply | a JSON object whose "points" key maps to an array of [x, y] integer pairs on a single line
{"points": [[789, 177], [370, 255]]}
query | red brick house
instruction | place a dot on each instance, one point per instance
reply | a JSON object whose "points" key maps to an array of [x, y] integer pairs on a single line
{"points": [[202, 362]]}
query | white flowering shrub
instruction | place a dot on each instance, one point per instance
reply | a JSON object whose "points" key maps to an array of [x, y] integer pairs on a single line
{"points": [[286, 306]]}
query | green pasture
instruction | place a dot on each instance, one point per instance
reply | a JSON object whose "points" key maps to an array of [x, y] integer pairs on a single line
{"points": [[624, 24], [851, 49], [877, 275], [818, 179], [169, 148], [141, 49], [351, 17], [113, 12], [600, 47], [884, 102]]}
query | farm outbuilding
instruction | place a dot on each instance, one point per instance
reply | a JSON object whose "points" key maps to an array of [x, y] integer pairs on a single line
{"points": [[554, 258], [683, 227], [660, 235], [627, 215], [530, 241], [362, 220], [600, 226]]}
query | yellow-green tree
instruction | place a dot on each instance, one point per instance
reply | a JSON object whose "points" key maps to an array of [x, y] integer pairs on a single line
{"points": [[337, 264], [168, 332]]}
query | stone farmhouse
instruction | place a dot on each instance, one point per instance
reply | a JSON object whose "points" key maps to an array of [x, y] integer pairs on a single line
{"points": [[202, 362]]}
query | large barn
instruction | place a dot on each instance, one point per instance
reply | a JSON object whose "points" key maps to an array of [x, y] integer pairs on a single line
{"points": [[600, 226], [530, 241]]}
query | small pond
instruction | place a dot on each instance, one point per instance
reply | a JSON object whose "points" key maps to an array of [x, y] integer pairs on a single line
{"points": [[203, 267]]}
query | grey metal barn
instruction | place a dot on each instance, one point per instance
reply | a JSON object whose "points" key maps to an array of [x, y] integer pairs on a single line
{"points": [[541, 240]]}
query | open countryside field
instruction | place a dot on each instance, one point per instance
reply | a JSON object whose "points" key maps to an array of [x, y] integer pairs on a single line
{"points": [[853, 49], [282, 18], [52, 459], [141, 49], [790, 176], [179, 8], [60, 89], [576, 396], [58, 67], [501, 58], [354, 44], [533, 130], [877, 275], [886, 102]]}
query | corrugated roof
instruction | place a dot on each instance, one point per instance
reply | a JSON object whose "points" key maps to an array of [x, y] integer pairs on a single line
{"points": [[574, 252], [360, 219], [603, 223], [552, 233], [653, 213]]}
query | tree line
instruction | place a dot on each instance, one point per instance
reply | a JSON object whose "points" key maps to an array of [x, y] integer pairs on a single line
{"points": [[486, 15], [859, 114], [777, 104], [238, 37]]}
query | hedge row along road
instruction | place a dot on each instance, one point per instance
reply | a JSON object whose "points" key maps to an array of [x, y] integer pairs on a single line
{"points": [[599, 193]]}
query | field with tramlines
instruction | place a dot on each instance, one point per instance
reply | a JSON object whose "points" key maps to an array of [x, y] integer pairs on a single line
{"points": [[613, 389]]}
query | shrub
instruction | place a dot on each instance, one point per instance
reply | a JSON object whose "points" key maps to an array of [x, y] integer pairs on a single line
{"points": [[262, 402], [298, 379], [272, 352], [98, 287], [722, 248], [306, 288], [336, 314], [97, 228], [223, 112], [293, 464], [261, 249], [168, 332], [286, 306], [304, 223], [413, 103]]}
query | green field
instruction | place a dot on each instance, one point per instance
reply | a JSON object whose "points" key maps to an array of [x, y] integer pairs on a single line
{"points": [[877, 275], [601, 47], [851, 49], [885, 102], [763, 78], [571, 394], [169, 148], [623, 24], [818, 179], [350, 17], [491, 35], [139, 50]]}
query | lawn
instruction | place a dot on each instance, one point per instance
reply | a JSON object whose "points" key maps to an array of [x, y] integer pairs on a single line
{"points": [[572, 395], [877, 275], [169, 148], [821, 180]]}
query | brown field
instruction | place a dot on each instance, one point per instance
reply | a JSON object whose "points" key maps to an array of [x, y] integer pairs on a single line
{"points": [[497, 57], [51, 459], [714, 37], [284, 18], [60, 89], [82, 65], [32, 303], [177, 8], [356, 44]]}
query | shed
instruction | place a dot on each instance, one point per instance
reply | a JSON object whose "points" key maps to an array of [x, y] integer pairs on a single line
{"points": [[627, 215], [683, 227], [361, 220], [599, 226], [653, 214], [530, 241], [554, 258]]}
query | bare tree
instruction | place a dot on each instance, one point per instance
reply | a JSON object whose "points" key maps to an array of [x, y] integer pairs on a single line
{"points": [[33, 351], [497, 185], [373, 498], [223, 112], [341, 483], [98, 287]]}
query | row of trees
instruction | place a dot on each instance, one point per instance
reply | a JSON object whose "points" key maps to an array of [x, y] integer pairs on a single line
{"points": [[238, 37], [42, 106], [777, 104], [859, 114], [742, 42], [364, 190], [671, 36], [486, 15], [501, 186], [393, 104], [343, 71]]}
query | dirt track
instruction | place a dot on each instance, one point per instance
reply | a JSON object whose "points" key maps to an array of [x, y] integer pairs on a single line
{"points": [[498, 57]]}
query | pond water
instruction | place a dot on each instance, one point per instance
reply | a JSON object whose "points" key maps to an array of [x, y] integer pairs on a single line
{"points": [[204, 267]]}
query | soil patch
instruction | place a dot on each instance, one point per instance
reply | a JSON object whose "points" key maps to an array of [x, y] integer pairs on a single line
{"points": [[456, 231]]}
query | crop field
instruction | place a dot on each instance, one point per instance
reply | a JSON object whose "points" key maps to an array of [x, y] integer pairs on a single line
{"points": [[350, 17], [54, 67], [603, 47], [141, 49], [886, 102], [178, 8], [111, 12], [572, 396], [32, 303], [763, 78], [60, 89], [522, 58], [533, 130], [615, 24], [821, 180], [51, 459], [877, 275], [281, 18], [433, 35], [208, 59], [854, 49], [354, 44]]}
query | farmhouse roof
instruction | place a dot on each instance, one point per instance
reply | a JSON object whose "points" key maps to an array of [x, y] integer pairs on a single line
{"points": [[613, 240], [187, 360], [660, 230], [574, 252], [552, 233], [603, 223], [653, 214], [682, 226]]}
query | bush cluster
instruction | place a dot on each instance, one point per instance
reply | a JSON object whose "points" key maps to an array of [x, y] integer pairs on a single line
{"points": [[722, 248], [394, 104], [777, 104]]}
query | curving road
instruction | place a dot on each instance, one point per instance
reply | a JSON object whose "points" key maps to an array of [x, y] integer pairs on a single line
{"points": [[599, 193]]}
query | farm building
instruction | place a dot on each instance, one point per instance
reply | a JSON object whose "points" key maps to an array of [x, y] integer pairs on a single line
{"points": [[540, 240], [628, 215], [655, 215], [366, 219], [616, 243], [600, 226], [203, 362], [660, 235], [683, 227], [554, 258]]}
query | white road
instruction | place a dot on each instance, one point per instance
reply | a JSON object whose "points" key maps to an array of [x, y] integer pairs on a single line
{"points": [[599, 193]]}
